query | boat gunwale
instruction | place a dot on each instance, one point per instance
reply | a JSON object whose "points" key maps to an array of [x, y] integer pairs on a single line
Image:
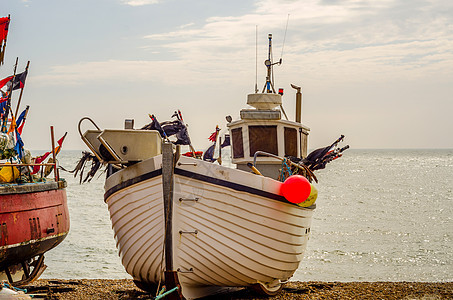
{"points": [[31, 187], [190, 174]]}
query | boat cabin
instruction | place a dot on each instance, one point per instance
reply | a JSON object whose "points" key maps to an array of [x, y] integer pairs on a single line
{"points": [[262, 129]]}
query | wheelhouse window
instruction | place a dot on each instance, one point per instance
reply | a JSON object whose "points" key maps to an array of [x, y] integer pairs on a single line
{"points": [[290, 141], [263, 138], [237, 144]]}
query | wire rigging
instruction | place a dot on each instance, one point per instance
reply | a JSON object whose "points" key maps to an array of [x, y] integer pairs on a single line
{"points": [[284, 36]]}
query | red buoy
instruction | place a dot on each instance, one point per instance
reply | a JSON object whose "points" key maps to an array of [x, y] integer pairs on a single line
{"points": [[296, 189]]}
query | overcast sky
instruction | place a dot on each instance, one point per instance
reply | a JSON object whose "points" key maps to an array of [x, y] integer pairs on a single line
{"points": [[380, 72]]}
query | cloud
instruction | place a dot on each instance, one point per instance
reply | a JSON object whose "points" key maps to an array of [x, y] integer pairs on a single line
{"points": [[139, 2], [326, 39], [111, 70], [170, 73]]}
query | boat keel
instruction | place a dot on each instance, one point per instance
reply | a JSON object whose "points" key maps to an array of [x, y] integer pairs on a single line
{"points": [[172, 281]]}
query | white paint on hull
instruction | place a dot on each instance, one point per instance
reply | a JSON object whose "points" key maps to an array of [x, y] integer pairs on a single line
{"points": [[241, 238]]}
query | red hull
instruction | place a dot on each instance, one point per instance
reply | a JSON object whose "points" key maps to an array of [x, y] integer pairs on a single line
{"points": [[34, 218]]}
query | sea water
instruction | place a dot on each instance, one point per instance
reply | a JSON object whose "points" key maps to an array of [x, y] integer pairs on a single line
{"points": [[381, 215]]}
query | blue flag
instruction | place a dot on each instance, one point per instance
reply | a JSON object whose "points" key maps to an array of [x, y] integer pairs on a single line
{"points": [[21, 118], [19, 147]]}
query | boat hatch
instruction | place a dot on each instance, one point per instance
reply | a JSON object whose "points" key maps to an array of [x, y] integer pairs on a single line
{"points": [[131, 145], [122, 145]]}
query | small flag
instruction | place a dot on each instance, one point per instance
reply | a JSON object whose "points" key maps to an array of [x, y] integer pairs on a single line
{"points": [[226, 142], [172, 128], [19, 80], [19, 147], [190, 154], [209, 154], [39, 160], [3, 106], [20, 128], [5, 81], [43, 157], [182, 137], [21, 117], [4, 25], [155, 125], [20, 122], [60, 143], [213, 136], [12, 127]]}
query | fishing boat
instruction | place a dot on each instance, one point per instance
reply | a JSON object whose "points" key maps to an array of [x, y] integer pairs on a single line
{"points": [[200, 227], [34, 215]]}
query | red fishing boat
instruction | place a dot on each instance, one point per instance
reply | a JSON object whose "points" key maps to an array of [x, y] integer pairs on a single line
{"points": [[34, 215]]}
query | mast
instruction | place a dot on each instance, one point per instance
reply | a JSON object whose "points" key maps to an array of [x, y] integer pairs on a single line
{"points": [[269, 85]]}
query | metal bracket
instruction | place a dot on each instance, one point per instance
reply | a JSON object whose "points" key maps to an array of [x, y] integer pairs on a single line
{"points": [[185, 271], [189, 199], [187, 164], [188, 232]]}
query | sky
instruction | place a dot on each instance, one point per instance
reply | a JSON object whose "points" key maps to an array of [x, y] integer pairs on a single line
{"points": [[380, 72]]}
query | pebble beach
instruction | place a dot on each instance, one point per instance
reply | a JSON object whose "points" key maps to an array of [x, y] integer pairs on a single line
{"points": [[125, 289]]}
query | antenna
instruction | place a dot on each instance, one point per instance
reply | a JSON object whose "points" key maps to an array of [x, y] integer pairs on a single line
{"points": [[256, 59], [284, 37]]}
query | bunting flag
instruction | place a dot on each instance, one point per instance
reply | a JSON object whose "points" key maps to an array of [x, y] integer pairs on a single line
{"points": [[19, 80], [155, 125], [21, 118], [60, 143], [190, 154], [3, 104], [43, 157], [21, 127], [19, 147], [209, 154], [4, 25], [5, 81], [20, 122], [12, 126], [39, 160], [213, 136], [172, 127], [182, 136]]}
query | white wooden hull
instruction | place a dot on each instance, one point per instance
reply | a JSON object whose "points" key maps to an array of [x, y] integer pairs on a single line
{"points": [[239, 232]]}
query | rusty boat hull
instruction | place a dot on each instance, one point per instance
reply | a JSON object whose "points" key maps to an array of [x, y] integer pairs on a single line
{"points": [[34, 218]]}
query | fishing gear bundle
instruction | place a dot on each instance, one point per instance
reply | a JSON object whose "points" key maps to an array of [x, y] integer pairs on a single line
{"points": [[80, 167], [319, 158], [170, 128]]}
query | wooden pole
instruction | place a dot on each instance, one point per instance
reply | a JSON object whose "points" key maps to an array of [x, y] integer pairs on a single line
{"points": [[21, 91], [220, 151], [171, 276], [5, 117], [167, 187], [55, 171]]}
